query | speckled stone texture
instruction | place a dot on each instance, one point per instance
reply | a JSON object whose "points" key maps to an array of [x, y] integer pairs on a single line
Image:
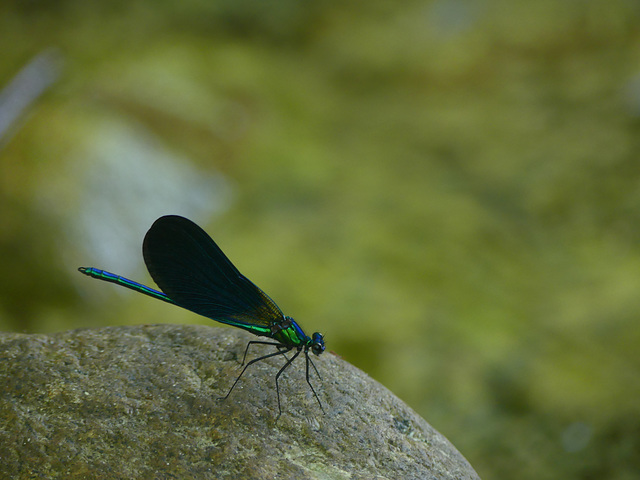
{"points": [[143, 402]]}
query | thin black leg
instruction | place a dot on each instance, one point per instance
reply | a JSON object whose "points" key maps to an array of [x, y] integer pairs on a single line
{"points": [[251, 363], [306, 354], [282, 350], [313, 365], [246, 350], [284, 367]]}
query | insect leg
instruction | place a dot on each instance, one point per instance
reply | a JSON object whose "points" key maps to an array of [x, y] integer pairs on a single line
{"points": [[257, 342], [248, 365], [306, 354], [313, 365], [284, 367]]}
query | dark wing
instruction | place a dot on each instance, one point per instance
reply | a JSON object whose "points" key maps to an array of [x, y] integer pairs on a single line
{"points": [[191, 269]]}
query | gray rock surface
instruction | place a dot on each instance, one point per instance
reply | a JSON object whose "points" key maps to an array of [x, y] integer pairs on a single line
{"points": [[142, 403]]}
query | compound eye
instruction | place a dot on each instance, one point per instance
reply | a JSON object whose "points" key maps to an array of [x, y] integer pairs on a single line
{"points": [[318, 343]]}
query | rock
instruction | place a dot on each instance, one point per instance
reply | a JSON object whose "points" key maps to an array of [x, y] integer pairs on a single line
{"points": [[143, 402]]}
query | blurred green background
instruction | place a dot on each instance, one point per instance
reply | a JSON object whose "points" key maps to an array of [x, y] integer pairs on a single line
{"points": [[449, 190]]}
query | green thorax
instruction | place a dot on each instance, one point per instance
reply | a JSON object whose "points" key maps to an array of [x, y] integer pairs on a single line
{"points": [[289, 333]]}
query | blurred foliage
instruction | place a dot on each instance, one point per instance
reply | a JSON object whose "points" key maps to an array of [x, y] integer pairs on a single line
{"points": [[449, 190]]}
